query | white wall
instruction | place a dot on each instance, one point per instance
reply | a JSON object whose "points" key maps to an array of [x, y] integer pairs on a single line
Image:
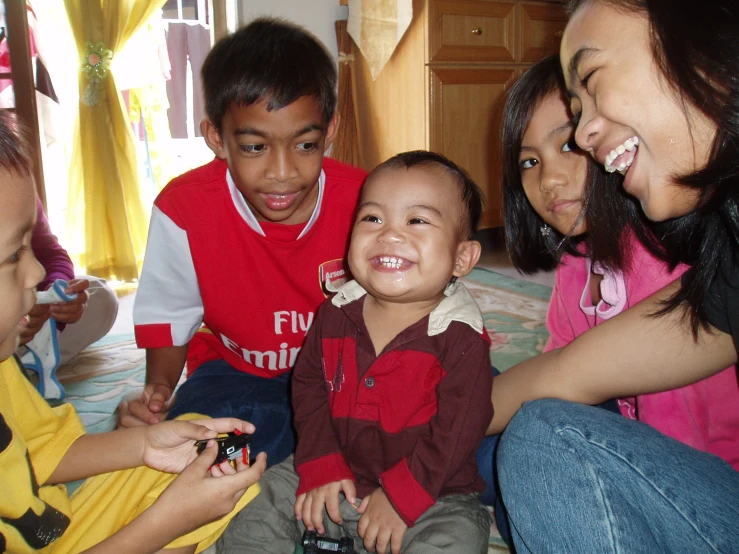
{"points": [[318, 16]]}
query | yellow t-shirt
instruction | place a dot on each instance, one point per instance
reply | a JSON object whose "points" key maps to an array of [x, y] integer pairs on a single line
{"points": [[33, 439], [34, 516]]}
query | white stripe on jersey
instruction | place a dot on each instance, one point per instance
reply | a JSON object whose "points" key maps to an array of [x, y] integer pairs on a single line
{"points": [[168, 291]]}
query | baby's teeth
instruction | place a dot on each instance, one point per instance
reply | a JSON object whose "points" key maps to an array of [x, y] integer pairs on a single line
{"points": [[621, 149], [629, 145]]}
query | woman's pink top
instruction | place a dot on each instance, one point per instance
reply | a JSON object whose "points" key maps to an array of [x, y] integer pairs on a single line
{"points": [[704, 415]]}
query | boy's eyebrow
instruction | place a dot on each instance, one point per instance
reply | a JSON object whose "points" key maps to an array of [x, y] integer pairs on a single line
{"points": [[19, 234], [259, 133], [368, 203], [417, 206], [425, 207]]}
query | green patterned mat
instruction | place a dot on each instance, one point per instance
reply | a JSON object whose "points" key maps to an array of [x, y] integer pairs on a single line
{"points": [[515, 315]]}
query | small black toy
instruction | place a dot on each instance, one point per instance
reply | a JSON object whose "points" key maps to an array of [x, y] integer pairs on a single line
{"points": [[230, 447], [313, 543]]}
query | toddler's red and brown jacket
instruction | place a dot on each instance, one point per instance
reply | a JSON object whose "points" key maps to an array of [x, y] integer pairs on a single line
{"points": [[409, 420]]}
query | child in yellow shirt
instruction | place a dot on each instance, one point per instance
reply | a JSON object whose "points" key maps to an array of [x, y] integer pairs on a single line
{"points": [[148, 488]]}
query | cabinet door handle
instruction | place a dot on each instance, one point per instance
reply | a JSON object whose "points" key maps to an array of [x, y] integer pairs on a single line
{"points": [[477, 31], [559, 34]]}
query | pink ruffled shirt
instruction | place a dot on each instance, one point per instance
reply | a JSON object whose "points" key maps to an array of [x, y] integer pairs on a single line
{"points": [[704, 415]]}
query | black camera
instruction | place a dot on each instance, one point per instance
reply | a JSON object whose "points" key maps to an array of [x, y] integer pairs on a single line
{"points": [[313, 543], [230, 447]]}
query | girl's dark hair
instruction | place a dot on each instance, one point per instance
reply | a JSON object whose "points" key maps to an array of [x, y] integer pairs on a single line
{"points": [[268, 59], [13, 147], [696, 46], [469, 192], [606, 215]]}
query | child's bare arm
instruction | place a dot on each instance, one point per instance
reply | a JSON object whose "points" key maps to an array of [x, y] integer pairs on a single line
{"points": [[168, 447], [163, 370], [194, 498], [631, 354]]}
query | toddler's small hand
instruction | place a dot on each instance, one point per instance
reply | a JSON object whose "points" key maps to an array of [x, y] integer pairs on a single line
{"points": [[380, 525]]}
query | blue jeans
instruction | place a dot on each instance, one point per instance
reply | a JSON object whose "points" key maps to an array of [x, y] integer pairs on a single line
{"points": [[580, 479], [216, 389], [486, 464]]}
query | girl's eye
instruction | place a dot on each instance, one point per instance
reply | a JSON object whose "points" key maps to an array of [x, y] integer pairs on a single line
{"points": [[528, 163], [252, 148], [17, 255], [371, 219], [416, 221], [570, 146], [307, 146], [585, 80]]}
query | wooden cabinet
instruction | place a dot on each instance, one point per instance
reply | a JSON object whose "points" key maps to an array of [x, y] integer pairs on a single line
{"points": [[442, 89]]}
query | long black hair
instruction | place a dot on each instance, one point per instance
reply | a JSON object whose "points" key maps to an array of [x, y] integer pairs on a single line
{"points": [[699, 56], [606, 215]]}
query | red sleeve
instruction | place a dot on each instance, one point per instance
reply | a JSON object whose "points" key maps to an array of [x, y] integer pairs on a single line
{"points": [[463, 415], [49, 252], [318, 457]]}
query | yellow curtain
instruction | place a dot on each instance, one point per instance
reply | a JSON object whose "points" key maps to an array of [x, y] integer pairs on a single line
{"points": [[104, 180]]}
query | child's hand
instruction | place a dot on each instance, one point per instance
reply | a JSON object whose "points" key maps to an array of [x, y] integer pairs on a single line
{"points": [[169, 446], [380, 525], [197, 497], [147, 408], [309, 506], [71, 312]]}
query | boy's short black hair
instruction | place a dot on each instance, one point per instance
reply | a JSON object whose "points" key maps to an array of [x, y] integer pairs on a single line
{"points": [[13, 147], [470, 193], [268, 59]]}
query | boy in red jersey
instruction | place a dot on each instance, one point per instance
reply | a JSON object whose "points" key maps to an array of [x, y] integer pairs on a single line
{"points": [[390, 389], [242, 251]]}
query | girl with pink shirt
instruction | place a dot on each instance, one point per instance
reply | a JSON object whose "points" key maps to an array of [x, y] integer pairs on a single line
{"points": [[605, 260]]}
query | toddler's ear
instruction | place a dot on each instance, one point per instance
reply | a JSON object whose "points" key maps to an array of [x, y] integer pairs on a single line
{"points": [[468, 254], [213, 138]]}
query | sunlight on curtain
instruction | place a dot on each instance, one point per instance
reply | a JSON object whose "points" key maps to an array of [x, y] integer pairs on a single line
{"points": [[104, 180]]}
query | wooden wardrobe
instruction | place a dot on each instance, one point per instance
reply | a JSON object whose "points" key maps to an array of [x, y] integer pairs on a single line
{"points": [[443, 86]]}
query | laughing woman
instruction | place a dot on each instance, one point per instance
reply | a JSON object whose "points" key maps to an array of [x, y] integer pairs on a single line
{"points": [[654, 90]]}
